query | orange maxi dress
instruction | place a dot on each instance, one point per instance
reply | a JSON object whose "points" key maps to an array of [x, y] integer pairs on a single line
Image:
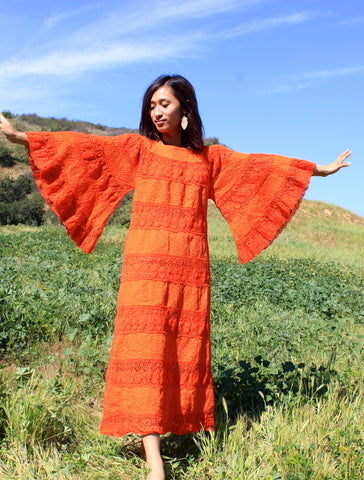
{"points": [[159, 376]]}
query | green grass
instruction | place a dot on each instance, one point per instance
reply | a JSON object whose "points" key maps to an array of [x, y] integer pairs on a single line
{"points": [[287, 342]]}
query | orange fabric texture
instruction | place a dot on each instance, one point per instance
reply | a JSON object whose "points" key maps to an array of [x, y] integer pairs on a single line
{"points": [[159, 377]]}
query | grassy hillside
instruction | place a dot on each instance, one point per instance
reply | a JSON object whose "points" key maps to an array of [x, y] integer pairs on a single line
{"points": [[287, 344]]}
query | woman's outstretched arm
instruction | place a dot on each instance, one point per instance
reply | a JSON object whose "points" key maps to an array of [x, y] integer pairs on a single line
{"points": [[13, 135], [324, 171]]}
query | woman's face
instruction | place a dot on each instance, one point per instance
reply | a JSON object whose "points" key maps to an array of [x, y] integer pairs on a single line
{"points": [[166, 111]]}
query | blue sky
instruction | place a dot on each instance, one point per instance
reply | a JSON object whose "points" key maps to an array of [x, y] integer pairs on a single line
{"points": [[271, 76]]}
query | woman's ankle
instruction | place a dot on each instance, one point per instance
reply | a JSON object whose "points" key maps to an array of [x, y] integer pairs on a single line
{"points": [[156, 473], [153, 456]]}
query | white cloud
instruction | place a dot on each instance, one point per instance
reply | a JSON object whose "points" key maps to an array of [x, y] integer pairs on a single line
{"points": [[311, 79], [351, 21], [56, 18], [160, 14], [71, 62], [261, 24], [129, 37], [52, 21], [200, 8], [117, 38], [336, 72]]}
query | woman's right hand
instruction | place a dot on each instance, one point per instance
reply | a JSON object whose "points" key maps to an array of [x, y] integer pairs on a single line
{"points": [[13, 135]]}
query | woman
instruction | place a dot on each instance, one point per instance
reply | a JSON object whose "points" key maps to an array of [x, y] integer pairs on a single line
{"points": [[159, 376]]}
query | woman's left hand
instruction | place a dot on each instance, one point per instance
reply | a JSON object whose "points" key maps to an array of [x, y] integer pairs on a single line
{"points": [[11, 133], [324, 171]]}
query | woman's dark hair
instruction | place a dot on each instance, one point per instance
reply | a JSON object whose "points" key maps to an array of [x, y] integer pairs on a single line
{"points": [[192, 137]]}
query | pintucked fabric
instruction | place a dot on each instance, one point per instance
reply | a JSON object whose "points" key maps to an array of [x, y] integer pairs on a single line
{"points": [[159, 376]]}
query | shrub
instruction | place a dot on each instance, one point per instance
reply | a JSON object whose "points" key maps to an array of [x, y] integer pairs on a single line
{"points": [[211, 141], [6, 158], [14, 189], [16, 203], [28, 212], [8, 114]]}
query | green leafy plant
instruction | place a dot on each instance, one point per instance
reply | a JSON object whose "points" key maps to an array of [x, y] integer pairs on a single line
{"points": [[17, 204], [6, 157]]}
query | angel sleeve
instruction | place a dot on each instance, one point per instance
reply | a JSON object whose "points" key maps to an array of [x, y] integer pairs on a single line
{"points": [[83, 178], [257, 194]]}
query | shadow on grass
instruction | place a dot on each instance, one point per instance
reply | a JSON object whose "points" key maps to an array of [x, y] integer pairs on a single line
{"points": [[249, 387]]}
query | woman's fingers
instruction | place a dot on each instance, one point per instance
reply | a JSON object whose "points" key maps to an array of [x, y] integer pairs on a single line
{"points": [[5, 126], [344, 156], [341, 159], [339, 162], [11, 133]]}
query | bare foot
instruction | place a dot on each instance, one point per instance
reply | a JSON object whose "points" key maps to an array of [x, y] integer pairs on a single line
{"points": [[154, 461]]}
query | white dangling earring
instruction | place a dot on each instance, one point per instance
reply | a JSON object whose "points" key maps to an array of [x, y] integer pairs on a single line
{"points": [[184, 122]]}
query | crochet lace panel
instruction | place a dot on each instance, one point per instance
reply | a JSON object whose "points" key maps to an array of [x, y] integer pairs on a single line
{"points": [[166, 268], [162, 168], [152, 319], [167, 217], [154, 372]]}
